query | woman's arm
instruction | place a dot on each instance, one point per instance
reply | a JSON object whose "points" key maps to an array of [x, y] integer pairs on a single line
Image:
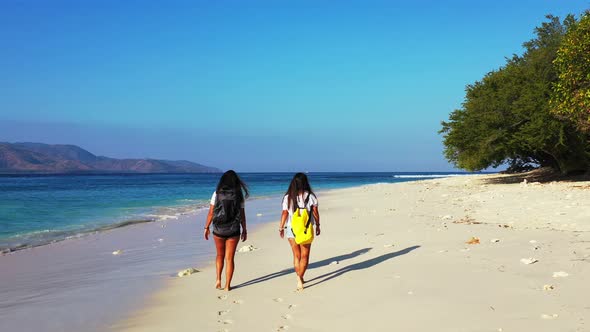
{"points": [[316, 218], [244, 230], [284, 216], [208, 222]]}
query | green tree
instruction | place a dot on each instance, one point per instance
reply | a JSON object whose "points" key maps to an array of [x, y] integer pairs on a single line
{"points": [[505, 117], [571, 97]]}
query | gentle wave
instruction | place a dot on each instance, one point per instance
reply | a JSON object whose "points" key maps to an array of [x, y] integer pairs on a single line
{"points": [[419, 176], [47, 236], [40, 238]]}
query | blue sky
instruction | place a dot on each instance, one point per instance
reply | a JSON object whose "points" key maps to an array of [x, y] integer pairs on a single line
{"points": [[254, 85]]}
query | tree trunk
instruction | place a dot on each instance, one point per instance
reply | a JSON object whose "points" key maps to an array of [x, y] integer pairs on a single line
{"points": [[570, 165]]}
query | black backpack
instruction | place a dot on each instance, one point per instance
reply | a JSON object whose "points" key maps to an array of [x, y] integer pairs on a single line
{"points": [[227, 213]]}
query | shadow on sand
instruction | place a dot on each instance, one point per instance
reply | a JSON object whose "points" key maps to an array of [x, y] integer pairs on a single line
{"points": [[358, 266], [310, 266], [542, 175]]}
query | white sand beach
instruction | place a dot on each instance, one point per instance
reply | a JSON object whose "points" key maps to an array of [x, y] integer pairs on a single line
{"points": [[395, 257]]}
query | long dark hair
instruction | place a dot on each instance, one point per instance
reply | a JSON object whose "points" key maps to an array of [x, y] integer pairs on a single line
{"points": [[298, 185], [231, 181]]}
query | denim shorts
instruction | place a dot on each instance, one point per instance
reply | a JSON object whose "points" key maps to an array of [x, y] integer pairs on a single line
{"points": [[289, 232]]}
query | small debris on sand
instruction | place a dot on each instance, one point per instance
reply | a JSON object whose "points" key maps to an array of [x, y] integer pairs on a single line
{"points": [[553, 316], [494, 240], [247, 248], [388, 245], [528, 261], [117, 252], [334, 263], [548, 287], [560, 274], [473, 240], [467, 220], [187, 272], [447, 217]]}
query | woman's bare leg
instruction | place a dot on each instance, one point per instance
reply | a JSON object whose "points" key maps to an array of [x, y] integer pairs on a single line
{"points": [[297, 261], [230, 252], [304, 261], [296, 254], [220, 246]]}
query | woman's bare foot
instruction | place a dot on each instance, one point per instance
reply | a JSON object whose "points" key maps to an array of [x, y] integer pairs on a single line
{"points": [[299, 283], [218, 284]]}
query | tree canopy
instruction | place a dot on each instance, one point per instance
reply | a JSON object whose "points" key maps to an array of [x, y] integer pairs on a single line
{"points": [[506, 116], [571, 97]]}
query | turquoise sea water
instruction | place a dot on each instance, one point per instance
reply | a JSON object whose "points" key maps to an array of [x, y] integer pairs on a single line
{"points": [[36, 210]]}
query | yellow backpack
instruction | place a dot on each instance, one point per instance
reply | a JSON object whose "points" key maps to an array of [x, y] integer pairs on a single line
{"points": [[301, 226]]}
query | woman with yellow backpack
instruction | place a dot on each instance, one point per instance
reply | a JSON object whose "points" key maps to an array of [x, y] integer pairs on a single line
{"points": [[300, 213]]}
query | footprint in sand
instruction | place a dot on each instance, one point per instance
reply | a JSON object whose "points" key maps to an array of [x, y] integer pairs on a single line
{"points": [[287, 316], [223, 312], [278, 299], [283, 328], [226, 321], [222, 297], [238, 301], [292, 306]]}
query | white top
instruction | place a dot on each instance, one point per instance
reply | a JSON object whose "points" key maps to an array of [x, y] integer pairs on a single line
{"points": [[214, 199], [313, 201]]}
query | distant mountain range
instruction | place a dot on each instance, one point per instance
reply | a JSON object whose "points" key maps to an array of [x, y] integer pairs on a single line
{"points": [[24, 158]]}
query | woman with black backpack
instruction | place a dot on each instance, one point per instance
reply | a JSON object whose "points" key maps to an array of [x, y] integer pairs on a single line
{"points": [[228, 217]]}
